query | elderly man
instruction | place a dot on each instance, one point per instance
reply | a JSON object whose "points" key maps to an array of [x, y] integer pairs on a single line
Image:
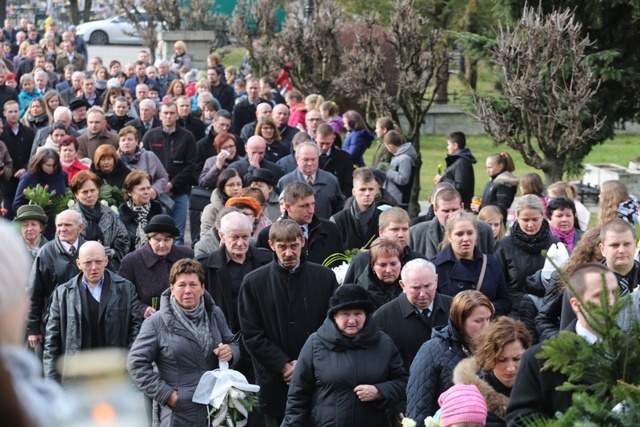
{"points": [[280, 115], [535, 392], [280, 305], [54, 265], [393, 224], [97, 134], [329, 198], [427, 236], [75, 90], [165, 75], [176, 149], [255, 148], [62, 115], [410, 318], [69, 56], [147, 119], [95, 309], [322, 237], [288, 162], [263, 109]]}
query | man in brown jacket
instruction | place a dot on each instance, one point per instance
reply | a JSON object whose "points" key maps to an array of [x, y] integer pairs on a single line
{"points": [[97, 134]]}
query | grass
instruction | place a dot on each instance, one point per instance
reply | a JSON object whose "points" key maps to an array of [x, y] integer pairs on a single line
{"points": [[620, 150]]}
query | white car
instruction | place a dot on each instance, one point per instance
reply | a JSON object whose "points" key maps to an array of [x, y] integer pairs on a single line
{"points": [[116, 30]]}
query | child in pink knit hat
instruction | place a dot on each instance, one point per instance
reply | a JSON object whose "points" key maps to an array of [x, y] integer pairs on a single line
{"points": [[462, 406]]}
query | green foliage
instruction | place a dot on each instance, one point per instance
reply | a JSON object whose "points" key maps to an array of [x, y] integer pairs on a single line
{"points": [[112, 195]]}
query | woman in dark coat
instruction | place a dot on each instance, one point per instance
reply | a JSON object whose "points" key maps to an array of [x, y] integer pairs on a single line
{"points": [[563, 221], [495, 364], [138, 209], [520, 253], [44, 169], [329, 386], [148, 267], [381, 279], [502, 186], [183, 341], [109, 167], [460, 264], [431, 372]]}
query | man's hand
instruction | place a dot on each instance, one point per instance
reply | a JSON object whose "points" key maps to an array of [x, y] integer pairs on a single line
{"points": [[168, 189], [287, 371], [153, 194], [173, 399], [149, 312], [367, 393], [254, 160], [19, 173], [33, 339]]}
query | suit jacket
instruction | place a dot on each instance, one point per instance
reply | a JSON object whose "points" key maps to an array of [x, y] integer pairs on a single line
{"points": [[139, 125], [409, 329], [426, 237], [329, 198], [78, 62], [340, 164], [87, 144]]}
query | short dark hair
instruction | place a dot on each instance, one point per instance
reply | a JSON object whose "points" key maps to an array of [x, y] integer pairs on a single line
{"points": [[222, 113], [297, 190], [186, 266], [560, 203], [577, 278], [459, 138]]}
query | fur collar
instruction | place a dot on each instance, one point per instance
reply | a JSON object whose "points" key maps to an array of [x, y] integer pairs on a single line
{"points": [[466, 372], [507, 178]]}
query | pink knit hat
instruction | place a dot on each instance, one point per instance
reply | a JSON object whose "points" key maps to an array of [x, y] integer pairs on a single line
{"points": [[462, 404]]}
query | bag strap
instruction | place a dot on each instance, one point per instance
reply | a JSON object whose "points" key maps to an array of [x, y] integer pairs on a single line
{"points": [[484, 270]]}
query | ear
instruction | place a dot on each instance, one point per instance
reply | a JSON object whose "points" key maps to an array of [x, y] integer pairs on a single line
{"points": [[601, 246], [221, 237], [575, 305], [461, 206], [402, 285], [78, 263], [272, 246]]}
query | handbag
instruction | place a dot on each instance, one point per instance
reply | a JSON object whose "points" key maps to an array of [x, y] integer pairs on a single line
{"points": [[199, 198]]}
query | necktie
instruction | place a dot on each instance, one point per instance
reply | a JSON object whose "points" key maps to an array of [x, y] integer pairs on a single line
{"points": [[623, 283], [147, 126], [426, 313], [73, 251], [310, 180]]}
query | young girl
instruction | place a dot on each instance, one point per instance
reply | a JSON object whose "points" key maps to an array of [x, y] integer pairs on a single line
{"points": [[27, 94], [298, 109], [313, 101], [331, 116], [492, 216], [531, 183], [502, 186]]}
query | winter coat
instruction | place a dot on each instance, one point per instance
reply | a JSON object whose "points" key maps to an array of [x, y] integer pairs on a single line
{"points": [[53, 266], [379, 292], [427, 236], [350, 230], [321, 392], [177, 153], [209, 242], [116, 238], [381, 154], [297, 116], [495, 394], [535, 393], [25, 99], [459, 172], [329, 198], [210, 212], [432, 372], [548, 318], [210, 172], [518, 264], [401, 173], [409, 329], [536, 289], [279, 309], [75, 167], [360, 263], [19, 147], [242, 165], [179, 360], [500, 191], [218, 282], [339, 163], [116, 177], [151, 164], [119, 311], [130, 220], [455, 276], [150, 273], [89, 143], [356, 143], [324, 240]]}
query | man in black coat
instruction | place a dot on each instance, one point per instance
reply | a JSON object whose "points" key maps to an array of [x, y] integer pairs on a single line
{"points": [[394, 224], [204, 147], [410, 318], [245, 109], [322, 237], [334, 160], [280, 305], [280, 115], [222, 91], [263, 109], [534, 393], [187, 121], [255, 148], [147, 119], [459, 169], [19, 139]]}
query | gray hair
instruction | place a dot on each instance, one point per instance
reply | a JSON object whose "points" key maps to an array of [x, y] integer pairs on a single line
{"points": [[151, 67], [417, 264], [235, 220], [149, 103], [206, 96], [307, 144], [42, 74], [74, 214], [113, 82], [163, 62], [530, 201], [60, 112]]}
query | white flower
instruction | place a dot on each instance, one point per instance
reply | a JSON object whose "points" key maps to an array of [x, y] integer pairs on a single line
{"points": [[104, 202], [114, 208], [408, 422], [340, 271], [70, 203], [430, 422]]}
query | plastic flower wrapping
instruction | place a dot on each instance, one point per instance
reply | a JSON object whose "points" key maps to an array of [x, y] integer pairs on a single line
{"points": [[228, 394]]}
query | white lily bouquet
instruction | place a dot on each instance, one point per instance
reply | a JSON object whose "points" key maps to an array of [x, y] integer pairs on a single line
{"points": [[428, 422], [228, 394]]}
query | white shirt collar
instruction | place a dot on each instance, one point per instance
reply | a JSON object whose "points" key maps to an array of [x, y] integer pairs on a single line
{"points": [[583, 332]]}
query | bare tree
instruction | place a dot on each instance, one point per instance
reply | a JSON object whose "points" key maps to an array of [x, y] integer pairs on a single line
{"points": [[421, 55], [546, 89]]}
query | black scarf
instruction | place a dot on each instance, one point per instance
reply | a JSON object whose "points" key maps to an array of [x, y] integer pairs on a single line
{"points": [[362, 218], [531, 244], [92, 217]]}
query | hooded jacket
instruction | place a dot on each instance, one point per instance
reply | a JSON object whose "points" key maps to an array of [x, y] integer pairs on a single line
{"points": [[356, 143], [331, 365], [401, 173], [459, 172]]}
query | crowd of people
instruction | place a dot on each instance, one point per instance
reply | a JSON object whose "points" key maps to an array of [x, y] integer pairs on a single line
{"points": [[439, 315]]}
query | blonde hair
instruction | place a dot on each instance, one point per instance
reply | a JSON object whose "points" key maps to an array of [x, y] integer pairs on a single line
{"points": [[612, 193], [314, 101], [491, 212]]}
